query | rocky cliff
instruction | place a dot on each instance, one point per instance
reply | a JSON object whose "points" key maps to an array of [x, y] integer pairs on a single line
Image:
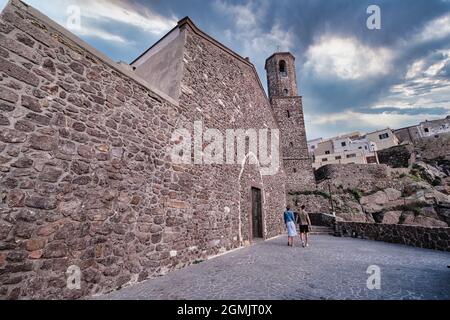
{"points": [[378, 193]]}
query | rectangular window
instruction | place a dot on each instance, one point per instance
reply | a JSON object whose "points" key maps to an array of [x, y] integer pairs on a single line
{"points": [[384, 136], [324, 159], [338, 158], [344, 144], [351, 156], [427, 130], [327, 152]]}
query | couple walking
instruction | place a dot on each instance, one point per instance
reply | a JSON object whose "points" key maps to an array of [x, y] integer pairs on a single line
{"points": [[302, 219]]}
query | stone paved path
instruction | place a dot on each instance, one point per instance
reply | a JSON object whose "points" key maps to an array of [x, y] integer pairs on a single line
{"points": [[332, 268]]}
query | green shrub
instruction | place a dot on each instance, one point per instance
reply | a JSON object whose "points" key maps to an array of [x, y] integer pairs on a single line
{"points": [[357, 194]]}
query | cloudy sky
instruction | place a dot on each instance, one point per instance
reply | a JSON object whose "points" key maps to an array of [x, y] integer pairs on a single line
{"points": [[351, 78]]}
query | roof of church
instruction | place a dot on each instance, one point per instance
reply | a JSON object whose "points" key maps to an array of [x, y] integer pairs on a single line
{"points": [[186, 21]]}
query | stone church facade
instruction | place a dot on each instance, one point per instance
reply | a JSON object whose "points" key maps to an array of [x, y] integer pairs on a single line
{"points": [[86, 178]]}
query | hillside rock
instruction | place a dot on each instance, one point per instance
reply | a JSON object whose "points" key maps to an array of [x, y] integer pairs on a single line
{"points": [[377, 193], [391, 217]]}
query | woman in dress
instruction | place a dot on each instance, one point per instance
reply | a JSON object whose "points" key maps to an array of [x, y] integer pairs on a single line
{"points": [[289, 220]]}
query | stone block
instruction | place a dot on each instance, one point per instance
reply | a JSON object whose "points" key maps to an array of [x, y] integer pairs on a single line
{"points": [[18, 73]]}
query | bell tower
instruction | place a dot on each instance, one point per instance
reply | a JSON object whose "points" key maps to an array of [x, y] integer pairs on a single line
{"points": [[288, 109]]}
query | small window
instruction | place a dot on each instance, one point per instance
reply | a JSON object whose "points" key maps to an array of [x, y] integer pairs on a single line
{"points": [[283, 70], [349, 156], [360, 148], [427, 130], [324, 159], [384, 136], [291, 144], [365, 147], [295, 170], [338, 158], [313, 147], [288, 113], [343, 144], [327, 152]]}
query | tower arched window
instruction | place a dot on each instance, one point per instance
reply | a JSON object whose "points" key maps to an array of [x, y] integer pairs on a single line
{"points": [[288, 113], [283, 69], [286, 92]]}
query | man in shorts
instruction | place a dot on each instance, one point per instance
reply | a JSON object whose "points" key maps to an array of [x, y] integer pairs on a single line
{"points": [[305, 225]]}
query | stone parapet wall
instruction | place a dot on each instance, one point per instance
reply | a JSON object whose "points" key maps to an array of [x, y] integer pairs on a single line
{"points": [[323, 219], [422, 237]]}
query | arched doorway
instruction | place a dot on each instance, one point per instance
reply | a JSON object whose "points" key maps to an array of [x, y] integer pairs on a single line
{"points": [[251, 203]]}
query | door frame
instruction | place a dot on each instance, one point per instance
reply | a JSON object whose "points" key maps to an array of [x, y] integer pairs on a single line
{"points": [[263, 218]]}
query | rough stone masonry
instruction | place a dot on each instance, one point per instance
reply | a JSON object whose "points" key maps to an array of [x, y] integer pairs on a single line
{"points": [[85, 174]]}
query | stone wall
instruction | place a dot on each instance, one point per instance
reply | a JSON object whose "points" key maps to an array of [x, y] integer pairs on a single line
{"points": [[365, 177], [228, 95], [432, 148], [85, 170], [422, 237], [314, 201], [401, 156], [323, 219], [85, 180], [408, 135], [297, 163]]}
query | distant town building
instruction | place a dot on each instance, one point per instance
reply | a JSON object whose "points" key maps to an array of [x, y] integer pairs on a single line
{"points": [[312, 145], [384, 139], [352, 148], [423, 130]]}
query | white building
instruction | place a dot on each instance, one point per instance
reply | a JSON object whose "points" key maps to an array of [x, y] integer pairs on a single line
{"points": [[351, 148], [384, 139], [425, 129], [312, 145]]}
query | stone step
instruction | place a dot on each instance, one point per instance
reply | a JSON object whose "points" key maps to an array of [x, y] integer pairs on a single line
{"points": [[319, 230]]}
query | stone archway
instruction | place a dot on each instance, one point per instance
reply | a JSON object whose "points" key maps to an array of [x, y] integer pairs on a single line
{"points": [[250, 179]]}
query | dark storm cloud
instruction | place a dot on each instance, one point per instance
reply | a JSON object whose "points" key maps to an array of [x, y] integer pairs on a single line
{"points": [[255, 28], [309, 20], [401, 20]]}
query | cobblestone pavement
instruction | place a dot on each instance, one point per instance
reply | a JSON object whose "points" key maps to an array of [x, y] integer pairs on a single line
{"points": [[332, 268]]}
